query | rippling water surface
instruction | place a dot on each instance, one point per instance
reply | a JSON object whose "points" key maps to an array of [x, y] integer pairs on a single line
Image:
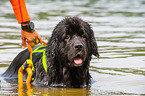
{"points": [[119, 27]]}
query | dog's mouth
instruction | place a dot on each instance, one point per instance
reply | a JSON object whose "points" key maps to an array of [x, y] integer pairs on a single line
{"points": [[78, 61]]}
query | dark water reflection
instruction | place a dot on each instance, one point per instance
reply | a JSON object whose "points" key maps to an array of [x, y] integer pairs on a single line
{"points": [[119, 27]]}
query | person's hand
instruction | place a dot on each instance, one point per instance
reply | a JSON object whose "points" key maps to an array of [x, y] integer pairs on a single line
{"points": [[31, 38]]}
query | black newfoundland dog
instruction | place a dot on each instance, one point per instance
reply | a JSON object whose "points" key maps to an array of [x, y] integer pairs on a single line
{"points": [[68, 55]]}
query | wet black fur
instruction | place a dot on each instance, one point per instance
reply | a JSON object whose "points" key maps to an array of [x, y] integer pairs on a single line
{"points": [[59, 52]]}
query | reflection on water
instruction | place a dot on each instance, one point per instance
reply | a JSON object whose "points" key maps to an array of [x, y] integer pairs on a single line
{"points": [[64, 91], [119, 27]]}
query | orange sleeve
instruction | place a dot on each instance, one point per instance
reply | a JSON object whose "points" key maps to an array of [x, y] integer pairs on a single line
{"points": [[20, 10]]}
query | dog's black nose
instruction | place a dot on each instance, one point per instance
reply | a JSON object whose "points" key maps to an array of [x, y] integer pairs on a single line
{"points": [[78, 46]]}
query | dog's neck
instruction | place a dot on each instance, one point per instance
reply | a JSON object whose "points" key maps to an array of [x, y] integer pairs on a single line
{"points": [[75, 77]]}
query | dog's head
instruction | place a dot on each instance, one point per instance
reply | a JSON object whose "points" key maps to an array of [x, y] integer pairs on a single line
{"points": [[75, 46], [75, 42]]}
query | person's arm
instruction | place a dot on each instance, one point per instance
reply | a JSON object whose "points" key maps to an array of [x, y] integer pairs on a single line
{"points": [[20, 10], [27, 34]]}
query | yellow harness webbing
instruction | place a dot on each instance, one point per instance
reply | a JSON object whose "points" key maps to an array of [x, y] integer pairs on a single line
{"points": [[37, 50]]}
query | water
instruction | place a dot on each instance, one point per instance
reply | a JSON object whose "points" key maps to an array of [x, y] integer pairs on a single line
{"points": [[119, 27]]}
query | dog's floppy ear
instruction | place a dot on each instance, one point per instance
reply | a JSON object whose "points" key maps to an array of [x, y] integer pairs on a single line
{"points": [[94, 47], [52, 46]]}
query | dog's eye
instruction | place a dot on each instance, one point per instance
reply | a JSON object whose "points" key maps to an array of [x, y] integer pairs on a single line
{"points": [[84, 36], [67, 37]]}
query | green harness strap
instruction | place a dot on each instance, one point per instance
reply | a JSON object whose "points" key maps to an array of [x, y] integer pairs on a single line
{"points": [[40, 49]]}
